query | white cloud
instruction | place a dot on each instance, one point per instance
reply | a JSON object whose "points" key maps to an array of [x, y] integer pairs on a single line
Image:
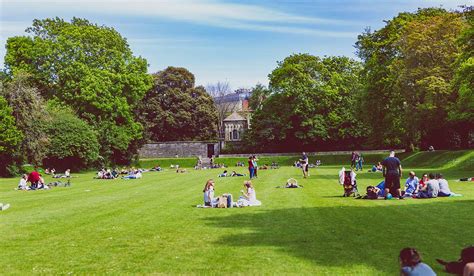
{"points": [[206, 12]]}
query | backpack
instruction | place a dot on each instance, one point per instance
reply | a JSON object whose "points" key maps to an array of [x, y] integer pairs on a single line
{"points": [[222, 202]]}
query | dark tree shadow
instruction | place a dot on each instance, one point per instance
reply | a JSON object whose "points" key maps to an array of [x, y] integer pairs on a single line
{"points": [[346, 236]]}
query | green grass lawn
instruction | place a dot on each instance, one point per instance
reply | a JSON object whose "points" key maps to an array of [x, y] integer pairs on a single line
{"points": [[150, 226]]}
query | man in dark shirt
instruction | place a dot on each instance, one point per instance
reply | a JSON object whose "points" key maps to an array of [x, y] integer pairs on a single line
{"points": [[392, 171]]}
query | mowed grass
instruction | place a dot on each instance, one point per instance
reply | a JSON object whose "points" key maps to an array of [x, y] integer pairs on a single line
{"points": [[151, 226]]}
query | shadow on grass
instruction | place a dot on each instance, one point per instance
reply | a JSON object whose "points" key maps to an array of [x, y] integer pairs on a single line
{"points": [[345, 237]]}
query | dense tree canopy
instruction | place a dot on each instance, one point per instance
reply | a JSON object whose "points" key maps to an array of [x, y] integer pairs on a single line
{"points": [[30, 115], [311, 104], [174, 109], [73, 143], [408, 68], [89, 67], [10, 138]]}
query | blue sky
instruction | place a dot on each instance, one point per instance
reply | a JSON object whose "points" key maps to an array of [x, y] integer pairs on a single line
{"points": [[235, 41]]}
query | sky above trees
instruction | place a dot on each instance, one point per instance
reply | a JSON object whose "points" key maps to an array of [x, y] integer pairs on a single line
{"points": [[234, 41]]}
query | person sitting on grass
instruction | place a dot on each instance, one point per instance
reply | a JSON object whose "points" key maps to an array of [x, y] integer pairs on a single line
{"points": [[411, 263], [444, 187], [411, 185], [34, 178], [431, 188], [208, 193], [376, 168], [236, 174], [23, 185], [274, 165], [249, 197], [224, 174], [424, 179]]}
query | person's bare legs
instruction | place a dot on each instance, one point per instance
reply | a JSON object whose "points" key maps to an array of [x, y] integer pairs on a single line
{"points": [[469, 269]]}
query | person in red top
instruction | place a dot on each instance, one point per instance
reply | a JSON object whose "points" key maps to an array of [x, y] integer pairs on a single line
{"points": [[34, 177], [251, 168]]}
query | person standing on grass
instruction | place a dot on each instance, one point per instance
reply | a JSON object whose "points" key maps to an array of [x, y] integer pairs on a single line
{"points": [[353, 159], [255, 166], [304, 164], [392, 171], [360, 162], [251, 168]]}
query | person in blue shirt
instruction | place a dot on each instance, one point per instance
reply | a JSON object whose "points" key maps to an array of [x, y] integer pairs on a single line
{"points": [[412, 265], [411, 185], [381, 187], [392, 171]]}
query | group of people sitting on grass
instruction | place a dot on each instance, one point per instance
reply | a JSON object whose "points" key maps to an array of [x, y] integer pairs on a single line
{"points": [[429, 186], [248, 197], [35, 181], [115, 173], [412, 264]]}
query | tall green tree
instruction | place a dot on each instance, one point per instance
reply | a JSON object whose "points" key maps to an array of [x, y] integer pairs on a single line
{"points": [[92, 69], [10, 138], [30, 115], [407, 69], [462, 111], [174, 109], [311, 104]]}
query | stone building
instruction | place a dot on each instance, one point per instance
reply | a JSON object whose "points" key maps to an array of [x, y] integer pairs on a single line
{"points": [[235, 125]]}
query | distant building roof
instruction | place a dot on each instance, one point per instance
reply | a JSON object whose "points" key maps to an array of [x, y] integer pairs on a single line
{"points": [[234, 117], [238, 95]]}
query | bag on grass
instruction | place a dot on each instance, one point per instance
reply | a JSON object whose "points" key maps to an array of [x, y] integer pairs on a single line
{"points": [[222, 202]]}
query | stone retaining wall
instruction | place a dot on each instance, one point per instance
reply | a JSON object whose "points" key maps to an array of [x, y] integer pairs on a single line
{"points": [[310, 153], [177, 148]]}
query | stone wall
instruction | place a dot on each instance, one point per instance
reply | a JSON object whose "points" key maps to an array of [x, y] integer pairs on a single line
{"points": [[181, 149], [311, 153]]}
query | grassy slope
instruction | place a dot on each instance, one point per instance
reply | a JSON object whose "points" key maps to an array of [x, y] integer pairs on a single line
{"points": [[150, 226]]}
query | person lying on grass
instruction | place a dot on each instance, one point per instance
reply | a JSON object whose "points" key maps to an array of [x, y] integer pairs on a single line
{"points": [[137, 174], [224, 174], [411, 263], [459, 267], [67, 174], [248, 197], [236, 174]]}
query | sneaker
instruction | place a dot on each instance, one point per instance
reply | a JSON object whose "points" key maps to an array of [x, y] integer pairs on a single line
{"points": [[401, 197]]}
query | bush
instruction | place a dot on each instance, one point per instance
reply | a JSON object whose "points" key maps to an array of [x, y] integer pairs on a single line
{"points": [[73, 143]]}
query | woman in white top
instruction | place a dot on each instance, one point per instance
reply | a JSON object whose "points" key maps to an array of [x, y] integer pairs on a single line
{"points": [[23, 183], [208, 193], [249, 197]]}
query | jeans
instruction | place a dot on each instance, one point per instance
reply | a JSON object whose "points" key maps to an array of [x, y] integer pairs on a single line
{"points": [[251, 171]]}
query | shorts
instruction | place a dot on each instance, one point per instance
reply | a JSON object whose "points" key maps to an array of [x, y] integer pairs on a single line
{"points": [[392, 182]]}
